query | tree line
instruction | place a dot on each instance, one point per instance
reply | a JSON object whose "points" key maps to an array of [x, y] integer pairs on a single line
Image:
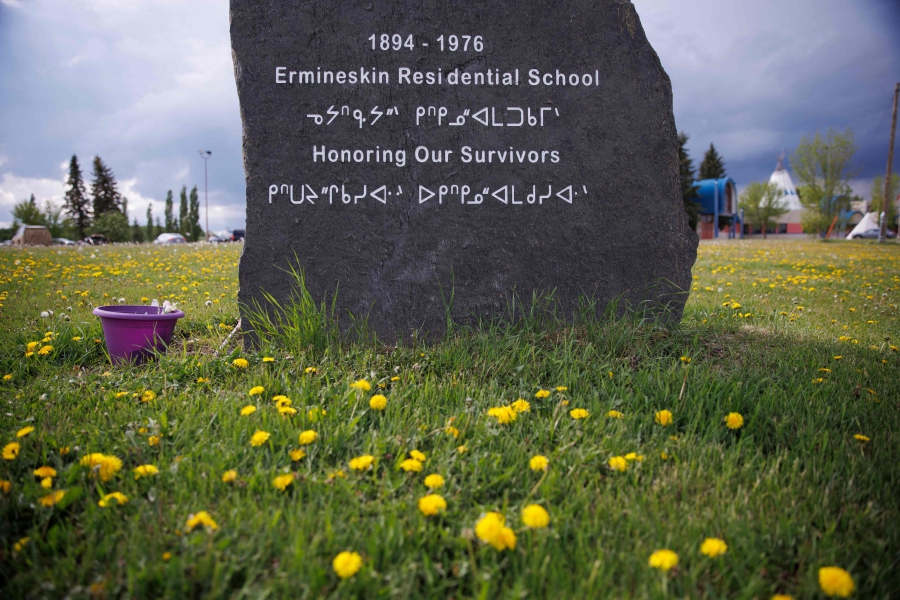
{"points": [[823, 166], [105, 211]]}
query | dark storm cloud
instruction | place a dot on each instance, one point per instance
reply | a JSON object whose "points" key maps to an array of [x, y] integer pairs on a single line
{"points": [[147, 83]]}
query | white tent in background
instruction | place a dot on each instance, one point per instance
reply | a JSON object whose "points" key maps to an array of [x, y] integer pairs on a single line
{"points": [[782, 179], [870, 221]]}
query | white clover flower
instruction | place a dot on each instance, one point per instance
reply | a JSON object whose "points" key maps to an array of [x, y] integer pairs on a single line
{"points": [[45, 314], [121, 300], [209, 302]]}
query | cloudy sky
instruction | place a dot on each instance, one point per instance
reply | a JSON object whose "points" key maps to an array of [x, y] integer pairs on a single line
{"points": [[147, 83]]}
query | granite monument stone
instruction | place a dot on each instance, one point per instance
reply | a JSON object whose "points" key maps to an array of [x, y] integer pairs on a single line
{"points": [[400, 151]]}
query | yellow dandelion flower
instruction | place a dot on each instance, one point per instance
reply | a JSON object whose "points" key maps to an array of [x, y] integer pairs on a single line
{"points": [[52, 498], [45, 471], [201, 518], [361, 384], [837, 357], [308, 437], [45, 350], [268, 359], [491, 529], [618, 463], [282, 481], [713, 547], [782, 597], [579, 413], [462, 449], [229, 476], [166, 556], [145, 471], [378, 402], [121, 394], [535, 516], [664, 417], [248, 410], [634, 456], [434, 481], [202, 380], [686, 359], [347, 564], [31, 345], [240, 363], [452, 431], [521, 405], [17, 547], [539, 463], [432, 504], [503, 414], [153, 440], [102, 465], [7, 377], [287, 411], [5, 486], [862, 438], [734, 420], [361, 463], [119, 497], [542, 393], [297, 454], [411, 465], [281, 400], [663, 559], [614, 414], [417, 455], [24, 431], [310, 370], [259, 438], [148, 396], [836, 582], [256, 390]]}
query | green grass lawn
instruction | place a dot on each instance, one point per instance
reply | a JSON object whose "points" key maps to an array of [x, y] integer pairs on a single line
{"points": [[799, 338]]}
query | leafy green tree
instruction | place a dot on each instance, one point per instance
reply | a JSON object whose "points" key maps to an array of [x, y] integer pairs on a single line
{"points": [[877, 202], [713, 166], [688, 189], [823, 165], [77, 205], [150, 229], [54, 220], [183, 222], [125, 206], [104, 189], [196, 232], [137, 232], [27, 212], [171, 224], [762, 204], [113, 225], [159, 229]]}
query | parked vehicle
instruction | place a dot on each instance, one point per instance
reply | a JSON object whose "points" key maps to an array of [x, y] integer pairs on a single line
{"points": [[63, 242], [170, 238], [218, 239], [96, 239], [237, 235], [873, 234]]}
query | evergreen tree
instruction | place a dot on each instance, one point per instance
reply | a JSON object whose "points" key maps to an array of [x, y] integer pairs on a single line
{"points": [[150, 229], [159, 229], [125, 206], [77, 205], [194, 217], [688, 189], [712, 167], [137, 232], [171, 225], [183, 222], [103, 188]]}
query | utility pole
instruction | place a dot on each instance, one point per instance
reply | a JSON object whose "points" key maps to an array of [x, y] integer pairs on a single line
{"points": [[882, 231], [205, 154]]}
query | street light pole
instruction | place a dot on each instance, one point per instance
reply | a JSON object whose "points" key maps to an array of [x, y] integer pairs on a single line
{"points": [[205, 154]]}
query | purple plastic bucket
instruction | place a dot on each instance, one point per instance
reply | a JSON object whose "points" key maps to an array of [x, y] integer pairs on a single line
{"points": [[133, 332]]}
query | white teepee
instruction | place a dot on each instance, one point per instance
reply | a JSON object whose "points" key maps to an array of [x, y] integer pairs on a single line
{"points": [[782, 179]]}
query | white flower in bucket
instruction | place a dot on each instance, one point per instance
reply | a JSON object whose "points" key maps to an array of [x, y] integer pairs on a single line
{"points": [[169, 307]]}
